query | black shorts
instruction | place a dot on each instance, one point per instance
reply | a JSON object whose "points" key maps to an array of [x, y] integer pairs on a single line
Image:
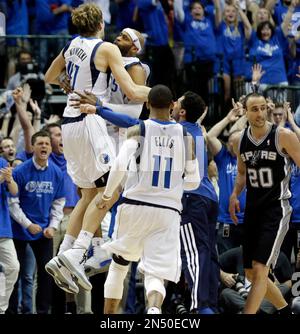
{"points": [[265, 229], [102, 181]]}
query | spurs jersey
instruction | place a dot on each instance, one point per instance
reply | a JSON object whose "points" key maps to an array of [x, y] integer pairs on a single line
{"points": [[79, 56], [158, 177], [117, 96], [268, 168]]}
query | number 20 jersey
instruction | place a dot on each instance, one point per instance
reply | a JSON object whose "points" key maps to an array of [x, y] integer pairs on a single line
{"points": [[268, 168]]}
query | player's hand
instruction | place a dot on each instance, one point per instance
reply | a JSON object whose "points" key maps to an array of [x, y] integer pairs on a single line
{"points": [[87, 109], [49, 232], [103, 202], [234, 206], [84, 98], [228, 279], [201, 118], [34, 229], [6, 174], [234, 113], [65, 83]]}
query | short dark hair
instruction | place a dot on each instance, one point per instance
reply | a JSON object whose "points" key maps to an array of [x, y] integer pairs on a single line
{"points": [[50, 126], [160, 97], [39, 134], [248, 97], [262, 25], [23, 51], [194, 106]]}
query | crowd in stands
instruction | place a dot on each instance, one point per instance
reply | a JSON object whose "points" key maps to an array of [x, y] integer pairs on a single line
{"points": [[184, 39]]}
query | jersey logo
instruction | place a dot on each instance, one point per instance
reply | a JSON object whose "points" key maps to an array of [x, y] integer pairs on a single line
{"points": [[104, 158], [255, 158]]}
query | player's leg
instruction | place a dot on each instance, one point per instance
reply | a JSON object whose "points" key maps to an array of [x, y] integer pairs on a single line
{"points": [[155, 293], [75, 258], [114, 284]]}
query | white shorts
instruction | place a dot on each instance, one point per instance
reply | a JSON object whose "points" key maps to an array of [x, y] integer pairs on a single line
{"points": [[150, 234], [88, 150]]}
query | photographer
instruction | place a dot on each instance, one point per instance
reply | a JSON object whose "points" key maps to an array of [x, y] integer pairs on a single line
{"points": [[235, 289], [28, 72]]}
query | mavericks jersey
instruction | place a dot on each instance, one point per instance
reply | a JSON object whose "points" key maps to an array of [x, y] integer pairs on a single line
{"points": [[117, 96], [79, 56], [268, 168], [158, 177]]}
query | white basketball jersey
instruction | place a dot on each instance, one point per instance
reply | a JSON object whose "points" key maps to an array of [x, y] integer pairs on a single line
{"points": [[158, 178], [118, 97], [79, 56]]}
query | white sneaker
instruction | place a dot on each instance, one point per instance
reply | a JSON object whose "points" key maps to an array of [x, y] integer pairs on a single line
{"points": [[99, 261], [62, 276], [154, 310], [74, 260]]}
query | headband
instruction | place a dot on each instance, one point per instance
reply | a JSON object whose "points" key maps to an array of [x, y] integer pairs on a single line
{"points": [[134, 38]]}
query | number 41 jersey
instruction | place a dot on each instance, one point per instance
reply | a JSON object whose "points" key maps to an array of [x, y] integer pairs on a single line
{"points": [[268, 168], [79, 55]]}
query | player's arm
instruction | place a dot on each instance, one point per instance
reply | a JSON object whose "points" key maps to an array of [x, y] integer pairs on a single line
{"points": [[138, 76], [240, 183], [115, 63], [213, 143], [290, 144], [192, 176], [55, 69], [119, 167]]}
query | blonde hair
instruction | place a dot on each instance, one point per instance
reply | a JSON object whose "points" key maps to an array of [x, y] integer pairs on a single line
{"points": [[255, 18], [87, 18], [236, 31]]}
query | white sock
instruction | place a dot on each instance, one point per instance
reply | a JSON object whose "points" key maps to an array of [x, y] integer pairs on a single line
{"points": [[97, 241], [67, 243], [83, 240], [153, 310]]}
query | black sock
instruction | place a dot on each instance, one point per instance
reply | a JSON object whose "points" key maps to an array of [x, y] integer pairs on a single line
{"points": [[71, 307], [285, 310]]}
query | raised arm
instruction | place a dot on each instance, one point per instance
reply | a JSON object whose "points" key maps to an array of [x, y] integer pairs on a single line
{"points": [[21, 97], [288, 17], [244, 18], [213, 142], [218, 12], [270, 5], [240, 183]]}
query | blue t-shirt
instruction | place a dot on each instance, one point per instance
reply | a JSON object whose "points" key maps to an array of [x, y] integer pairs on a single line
{"points": [[205, 188], [199, 40], [295, 190], [17, 18], [231, 40], [227, 170], [59, 160], [37, 191], [269, 54], [5, 223], [155, 25]]}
